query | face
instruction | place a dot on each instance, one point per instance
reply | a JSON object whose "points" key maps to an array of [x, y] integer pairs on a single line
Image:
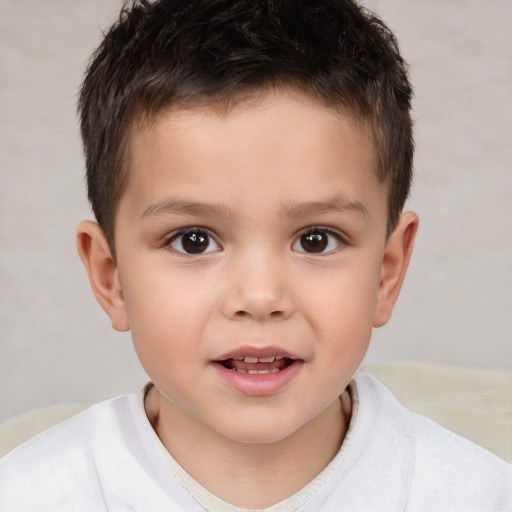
{"points": [[249, 257]]}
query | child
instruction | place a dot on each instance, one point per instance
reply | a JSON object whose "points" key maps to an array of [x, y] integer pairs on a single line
{"points": [[247, 163]]}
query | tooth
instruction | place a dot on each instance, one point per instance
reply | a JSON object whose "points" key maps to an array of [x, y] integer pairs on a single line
{"points": [[275, 370], [266, 359], [280, 357], [248, 359], [240, 371], [253, 372]]}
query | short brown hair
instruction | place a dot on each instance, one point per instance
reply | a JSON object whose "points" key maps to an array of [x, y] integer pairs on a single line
{"points": [[174, 52]]}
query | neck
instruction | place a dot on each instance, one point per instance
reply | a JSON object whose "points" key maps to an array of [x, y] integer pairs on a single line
{"points": [[265, 473]]}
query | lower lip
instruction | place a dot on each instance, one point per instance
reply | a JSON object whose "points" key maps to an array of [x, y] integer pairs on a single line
{"points": [[259, 384]]}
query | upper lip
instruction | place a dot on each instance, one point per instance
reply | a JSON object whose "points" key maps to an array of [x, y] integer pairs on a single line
{"points": [[261, 352]]}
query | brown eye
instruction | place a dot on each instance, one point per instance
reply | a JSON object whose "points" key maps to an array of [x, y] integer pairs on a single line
{"points": [[314, 242], [194, 241], [317, 241]]}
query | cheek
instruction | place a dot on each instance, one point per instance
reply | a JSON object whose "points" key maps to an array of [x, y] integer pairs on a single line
{"points": [[341, 309], [345, 334], [166, 315], [157, 293], [343, 298], [165, 334]]}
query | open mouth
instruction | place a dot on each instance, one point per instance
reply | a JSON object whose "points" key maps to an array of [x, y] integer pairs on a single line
{"points": [[258, 371], [257, 365]]}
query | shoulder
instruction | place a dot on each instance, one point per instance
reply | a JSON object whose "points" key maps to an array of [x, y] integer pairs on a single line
{"points": [[60, 466], [440, 468]]}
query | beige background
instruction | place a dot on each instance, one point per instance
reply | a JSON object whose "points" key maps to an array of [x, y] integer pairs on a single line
{"points": [[456, 307]]}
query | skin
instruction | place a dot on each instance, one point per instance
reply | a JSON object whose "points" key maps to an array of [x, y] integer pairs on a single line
{"points": [[258, 175]]}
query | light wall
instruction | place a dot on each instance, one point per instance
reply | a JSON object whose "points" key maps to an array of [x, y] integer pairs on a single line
{"points": [[57, 344]]}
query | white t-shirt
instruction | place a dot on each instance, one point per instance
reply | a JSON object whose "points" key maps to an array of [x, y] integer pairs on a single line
{"points": [[109, 458]]}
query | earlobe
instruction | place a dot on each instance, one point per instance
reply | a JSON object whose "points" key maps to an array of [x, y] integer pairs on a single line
{"points": [[394, 266], [103, 274]]}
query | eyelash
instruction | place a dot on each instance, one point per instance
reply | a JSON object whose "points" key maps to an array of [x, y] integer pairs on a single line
{"points": [[192, 230], [331, 233], [297, 245]]}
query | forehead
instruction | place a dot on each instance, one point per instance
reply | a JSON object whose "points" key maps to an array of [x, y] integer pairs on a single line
{"points": [[245, 108], [280, 145]]}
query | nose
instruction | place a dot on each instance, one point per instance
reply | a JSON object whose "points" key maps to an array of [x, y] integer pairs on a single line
{"points": [[257, 289]]}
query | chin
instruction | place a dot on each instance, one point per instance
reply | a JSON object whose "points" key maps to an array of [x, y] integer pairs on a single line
{"points": [[254, 431]]}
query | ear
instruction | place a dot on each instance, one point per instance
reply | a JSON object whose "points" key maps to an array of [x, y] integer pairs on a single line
{"points": [[396, 259], [103, 274]]}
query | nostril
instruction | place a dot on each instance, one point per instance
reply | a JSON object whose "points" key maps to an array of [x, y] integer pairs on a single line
{"points": [[276, 315], [244, 305]]}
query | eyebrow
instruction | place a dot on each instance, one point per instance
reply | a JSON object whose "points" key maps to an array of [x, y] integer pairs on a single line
{"points": [[339, 203], [187, 208]]}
